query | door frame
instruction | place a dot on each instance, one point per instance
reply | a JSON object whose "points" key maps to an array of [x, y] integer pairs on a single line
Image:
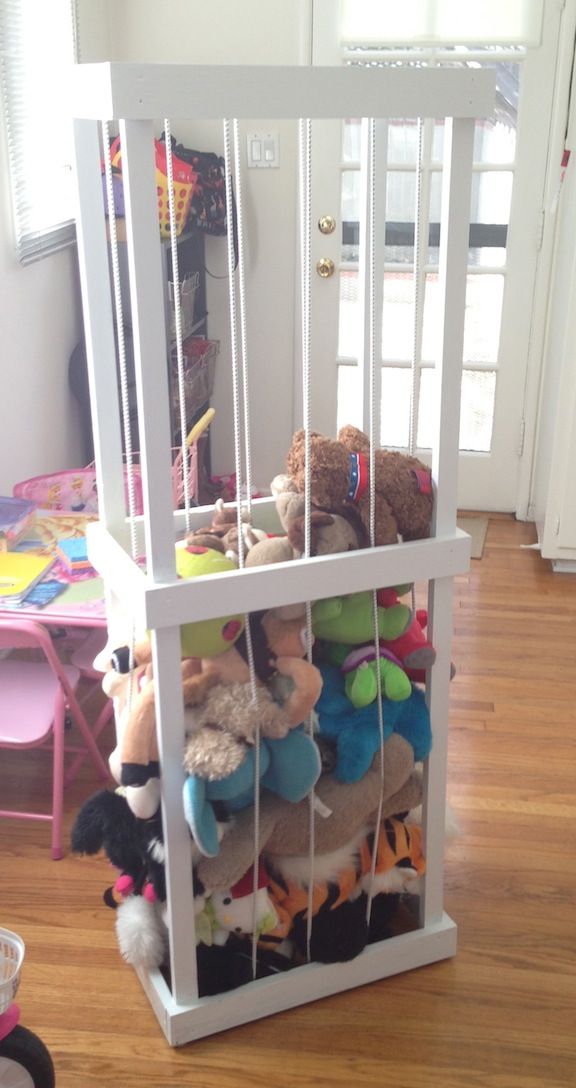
{"points": [[565, 73]]}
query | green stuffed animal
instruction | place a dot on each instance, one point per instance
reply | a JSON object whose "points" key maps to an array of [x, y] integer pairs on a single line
{"points": [[350, 620]]}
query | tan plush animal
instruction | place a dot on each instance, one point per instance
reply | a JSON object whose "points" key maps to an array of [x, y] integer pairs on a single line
{"points": [[340, 483], [222, 533], [279, 647], [346, 810], [330, 533]]}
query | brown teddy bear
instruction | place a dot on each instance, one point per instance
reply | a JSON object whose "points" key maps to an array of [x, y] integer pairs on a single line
{"points": [[339, 470], [329, 533], [222, 534]]}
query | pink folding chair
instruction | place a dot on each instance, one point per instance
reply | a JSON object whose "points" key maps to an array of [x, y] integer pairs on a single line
{"points": [[35, 696]]}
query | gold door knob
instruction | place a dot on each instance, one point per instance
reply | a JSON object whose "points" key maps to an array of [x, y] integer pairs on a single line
{"points": [[326, 224], [325, 267]]}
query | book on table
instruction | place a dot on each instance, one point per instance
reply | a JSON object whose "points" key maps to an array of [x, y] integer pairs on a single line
{"points": [[16, 517], [19, 573], [74, 553]]}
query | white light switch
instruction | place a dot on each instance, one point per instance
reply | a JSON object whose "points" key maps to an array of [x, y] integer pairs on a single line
{"points": [[263, 150]]}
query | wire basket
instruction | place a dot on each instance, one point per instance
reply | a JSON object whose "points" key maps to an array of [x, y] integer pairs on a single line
{"points": [[188, 289], [199, 367], [11, 958]]}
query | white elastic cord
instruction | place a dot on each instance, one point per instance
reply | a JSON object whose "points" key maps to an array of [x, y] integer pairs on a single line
{"points": [[418, 303], [374, 431], [123, 370], [176, 291], [305, 133], [238, 466], [414, 385], [305, 214]]}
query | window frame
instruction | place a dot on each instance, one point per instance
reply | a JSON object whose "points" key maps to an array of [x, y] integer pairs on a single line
{"points": [[31, 240]]}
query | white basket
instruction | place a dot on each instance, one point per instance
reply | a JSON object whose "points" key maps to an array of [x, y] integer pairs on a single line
{"points": [[11, 957]]}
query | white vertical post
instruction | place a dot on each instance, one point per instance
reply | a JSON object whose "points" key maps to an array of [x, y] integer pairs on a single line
{"points": [[178, 853], [455, 219], [99, 328], [149, 332], [454, 241], [151, 362], [372, 202]]}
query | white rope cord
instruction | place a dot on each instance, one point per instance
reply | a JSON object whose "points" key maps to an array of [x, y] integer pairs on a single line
{"points": [[238, 467], [305, 146], [242, 306], [374, 436], [305, 215], [123, 370], [418, 304], [176, 290], [418, 300]]}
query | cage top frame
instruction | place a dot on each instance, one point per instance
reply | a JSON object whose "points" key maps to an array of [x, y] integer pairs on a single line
{"points": [[113, 90]]}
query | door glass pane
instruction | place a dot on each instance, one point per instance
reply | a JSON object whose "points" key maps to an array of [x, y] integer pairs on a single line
{"points": [[482, 321], [403, 141], [351, 140], [349, 408], [395, 406], [484, 295], [348, 316], [350, 214], [400, 199], [476, 415], [398, 317], [395, 403], [476, 412], [490, 214]]}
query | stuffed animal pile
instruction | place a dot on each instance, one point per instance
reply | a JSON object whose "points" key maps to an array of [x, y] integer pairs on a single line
{"points": [[345, 720]]}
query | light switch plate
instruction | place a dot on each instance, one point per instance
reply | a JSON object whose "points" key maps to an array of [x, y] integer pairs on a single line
{"points": [[262, 150]]}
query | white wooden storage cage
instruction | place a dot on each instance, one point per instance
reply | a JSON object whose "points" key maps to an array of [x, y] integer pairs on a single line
{"points": [[136, 96]]}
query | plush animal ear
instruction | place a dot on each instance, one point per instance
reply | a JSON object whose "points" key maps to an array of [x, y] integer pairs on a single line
{"points": [[99, 814]]}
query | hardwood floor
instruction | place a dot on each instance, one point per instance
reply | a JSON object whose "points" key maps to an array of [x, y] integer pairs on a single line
{"points": [[501, 1014]]}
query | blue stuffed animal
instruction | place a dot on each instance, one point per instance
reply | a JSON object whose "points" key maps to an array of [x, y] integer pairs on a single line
{"points": [[356, 730], [288, 766]]}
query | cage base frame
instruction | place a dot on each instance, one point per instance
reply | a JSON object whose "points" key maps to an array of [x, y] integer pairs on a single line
{"points": [[183, 1024]]}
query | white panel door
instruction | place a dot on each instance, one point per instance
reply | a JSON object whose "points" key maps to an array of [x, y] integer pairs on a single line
{"points": [[510, 171]]}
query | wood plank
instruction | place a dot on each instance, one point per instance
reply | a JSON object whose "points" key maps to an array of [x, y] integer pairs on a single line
{"points": [[500, 1013]]}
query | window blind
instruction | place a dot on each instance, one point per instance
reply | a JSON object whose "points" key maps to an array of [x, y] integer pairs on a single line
{"points": [[516, 22], [37, 50]]}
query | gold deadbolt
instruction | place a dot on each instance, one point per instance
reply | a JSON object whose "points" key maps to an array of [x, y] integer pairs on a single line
{"points": [[325, 267], [326, 224]]}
